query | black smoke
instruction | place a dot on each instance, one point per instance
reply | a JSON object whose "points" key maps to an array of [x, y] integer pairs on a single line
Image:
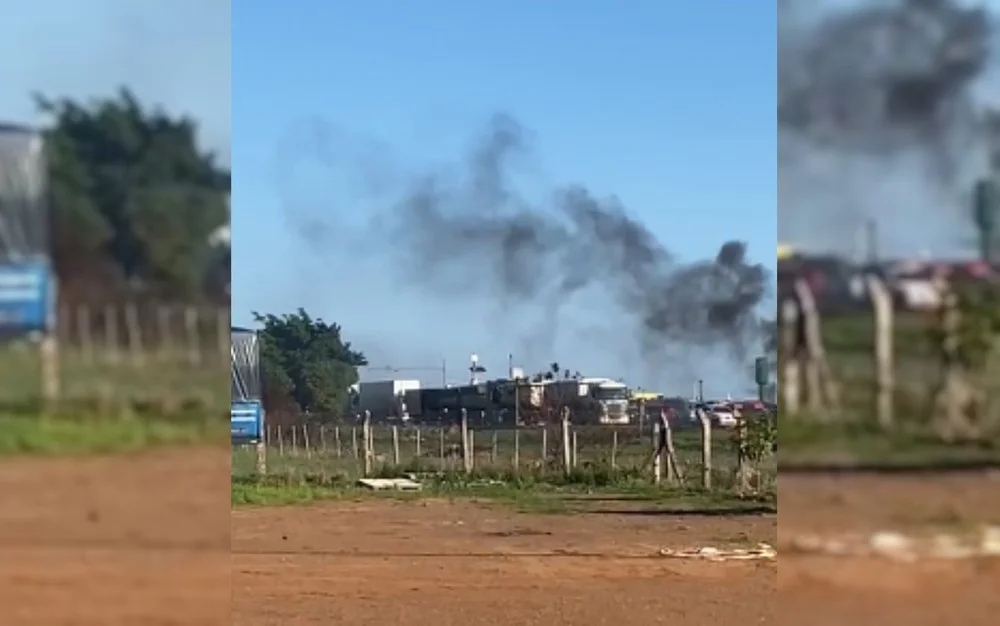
{"points": [[882, 115], [473, 232]]}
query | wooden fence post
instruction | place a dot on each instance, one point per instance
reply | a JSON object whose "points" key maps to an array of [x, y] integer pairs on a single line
{"points": [[111, 344], [193, 340], [567, 451], [517, 448], [657, 455], [366, 435], [614, 449], [883, 354], [133, 334], [441, 449], [706, 450], [395, 445], [472, 449], [261, 449], [742, 462], [85, 332], [545, 446], [466, 443], [790, 367]]}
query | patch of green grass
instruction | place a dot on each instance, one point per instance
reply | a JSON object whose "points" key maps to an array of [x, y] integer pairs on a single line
{"points": [[805, 441], [149, 381], [850, 435], [576, 493], [855, 333], [20, 434]]}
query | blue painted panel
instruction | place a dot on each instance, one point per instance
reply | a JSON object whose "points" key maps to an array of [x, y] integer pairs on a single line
{"points": [[246, 421], [27, 296]]}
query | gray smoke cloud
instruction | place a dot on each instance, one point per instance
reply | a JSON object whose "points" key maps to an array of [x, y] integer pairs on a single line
{"points": [[474, 232], [883, 115]]}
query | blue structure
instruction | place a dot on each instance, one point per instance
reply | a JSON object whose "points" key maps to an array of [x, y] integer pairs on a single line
{"points": [[27, 297], [247, 408], [247, 422], [27, 280]]}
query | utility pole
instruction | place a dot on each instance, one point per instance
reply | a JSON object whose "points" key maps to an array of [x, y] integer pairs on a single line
{"points": [[984, 209], [517, 390], [761, 375]]}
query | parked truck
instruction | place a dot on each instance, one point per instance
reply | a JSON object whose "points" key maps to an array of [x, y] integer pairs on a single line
{"points": [[591, 400], [385, 399]]}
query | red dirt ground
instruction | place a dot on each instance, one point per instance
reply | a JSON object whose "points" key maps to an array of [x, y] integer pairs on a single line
{"points": [[442, 564], [116, 541], [146, 540], [831, 592]]}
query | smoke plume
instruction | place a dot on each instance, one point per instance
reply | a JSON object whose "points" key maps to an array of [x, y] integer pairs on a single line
{"points": [[882, 115], [474, 232]]}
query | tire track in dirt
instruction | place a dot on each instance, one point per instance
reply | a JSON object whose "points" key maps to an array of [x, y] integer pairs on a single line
{"points": [[825, 591], [502, 567]]}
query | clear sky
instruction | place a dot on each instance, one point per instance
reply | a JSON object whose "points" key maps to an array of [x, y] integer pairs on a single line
{"points": [[668, 105], [172, 54]]}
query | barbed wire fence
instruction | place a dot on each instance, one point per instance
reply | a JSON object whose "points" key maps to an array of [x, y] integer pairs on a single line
{"points": [[697, 456], [126, 356], [932, 372]]}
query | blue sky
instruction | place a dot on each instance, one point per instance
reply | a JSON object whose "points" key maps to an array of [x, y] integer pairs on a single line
{"points": [[173, 54], [668, 105]]}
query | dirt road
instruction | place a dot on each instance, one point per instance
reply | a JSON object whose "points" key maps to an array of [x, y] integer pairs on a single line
{"points": [[127, 540], [145, 540], [831, 591], [442, 564]]}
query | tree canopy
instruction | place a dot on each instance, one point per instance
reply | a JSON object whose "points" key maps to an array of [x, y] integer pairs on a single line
{"points": [[306, 363], [135, 201]]}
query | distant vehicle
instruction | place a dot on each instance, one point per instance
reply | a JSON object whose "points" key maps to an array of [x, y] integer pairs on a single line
{"points": [[590, 400], [599, 399], [721, 413], [832, 281], [644, 406], [384, 398]]}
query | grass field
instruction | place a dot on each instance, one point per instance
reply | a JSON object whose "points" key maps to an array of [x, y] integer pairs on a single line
{"points": [[573, 494], [809, 443], [112, 400], [20, 434], [154, 383], [850, 435], [850, 346]]}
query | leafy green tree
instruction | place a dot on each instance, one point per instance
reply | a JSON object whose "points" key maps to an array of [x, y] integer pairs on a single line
{"points": [[135, 200], [307, 362]]}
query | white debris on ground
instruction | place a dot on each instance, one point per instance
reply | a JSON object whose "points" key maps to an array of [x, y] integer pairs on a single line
{"points": [[390, 484], [763, 551], [904, 548], [891, 545]]}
